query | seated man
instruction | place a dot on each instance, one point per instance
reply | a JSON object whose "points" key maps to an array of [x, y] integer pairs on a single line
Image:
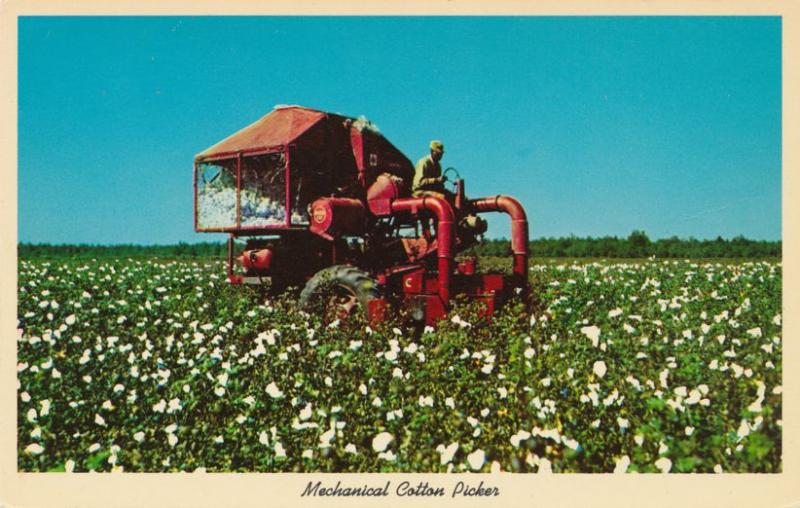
{"points": [[428, 179]]}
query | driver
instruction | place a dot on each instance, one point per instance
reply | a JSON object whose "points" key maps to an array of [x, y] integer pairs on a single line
{"points": [[428, 179]]}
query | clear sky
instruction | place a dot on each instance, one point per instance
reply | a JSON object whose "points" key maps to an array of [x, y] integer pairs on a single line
{"points": [[599, 126]]}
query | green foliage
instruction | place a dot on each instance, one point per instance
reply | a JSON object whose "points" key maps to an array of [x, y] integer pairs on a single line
{"points": [[87, 251], [637, 245], [153, 365]]}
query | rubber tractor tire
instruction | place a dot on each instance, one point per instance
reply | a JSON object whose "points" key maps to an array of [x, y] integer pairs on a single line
{"points": [[338, 292]]}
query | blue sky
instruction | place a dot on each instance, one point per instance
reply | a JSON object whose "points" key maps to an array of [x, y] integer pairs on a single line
{"points": [[599, 126]]}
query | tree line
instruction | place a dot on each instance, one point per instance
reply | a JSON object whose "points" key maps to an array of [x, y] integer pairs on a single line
{"points": [[179, 250], [636, 245]]}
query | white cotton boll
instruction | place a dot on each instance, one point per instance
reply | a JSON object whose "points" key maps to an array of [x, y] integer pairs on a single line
{"points": [[599, 368], [388, 456], [326, 437], [34, 449], [273, 391], [476, 459], [447, 453], [280, 451], [615, 312], [160, 406], [662, 377], [621, 464], [570, 443], [545, 467], [664, 464], [593, 333], [381, 441]]}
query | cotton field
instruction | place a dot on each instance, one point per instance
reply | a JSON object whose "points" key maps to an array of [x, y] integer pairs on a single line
{"points": [[150, 365]]}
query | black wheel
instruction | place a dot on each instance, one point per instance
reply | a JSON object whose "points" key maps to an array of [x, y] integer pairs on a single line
{"points": [[339, 292]]}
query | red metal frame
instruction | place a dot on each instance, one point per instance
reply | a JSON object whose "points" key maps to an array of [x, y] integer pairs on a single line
{"points": [[287, 225], [288, 187], [519, 227], [444, 234], [413, 280], [239, 191]]}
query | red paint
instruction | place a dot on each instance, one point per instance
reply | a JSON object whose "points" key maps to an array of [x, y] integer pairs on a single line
{"points": [[277, 128], [364, 179], [467, 267], [383, 191], [258, 260], [443, 212], [519, 227], [336, 216], [378, 310], [238, 190], [288, 193]]}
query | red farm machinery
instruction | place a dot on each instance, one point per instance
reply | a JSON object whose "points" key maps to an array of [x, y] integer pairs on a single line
{"points": [[324, 202]]}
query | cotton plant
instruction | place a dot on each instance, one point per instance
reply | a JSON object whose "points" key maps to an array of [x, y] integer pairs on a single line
{"points": [[157, 365]]}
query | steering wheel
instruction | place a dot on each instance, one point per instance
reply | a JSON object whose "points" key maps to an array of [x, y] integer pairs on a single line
{"points": [[452, 182]]}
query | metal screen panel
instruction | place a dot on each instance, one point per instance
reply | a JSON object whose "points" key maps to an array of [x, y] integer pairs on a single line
{"points": [[216, 194]]}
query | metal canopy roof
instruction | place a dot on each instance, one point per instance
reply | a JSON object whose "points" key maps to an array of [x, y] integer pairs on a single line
{"points": [[281, 126]]}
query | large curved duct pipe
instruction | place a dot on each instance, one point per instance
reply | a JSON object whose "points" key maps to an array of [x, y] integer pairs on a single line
{"points": [[445, 234], [519, 227]]}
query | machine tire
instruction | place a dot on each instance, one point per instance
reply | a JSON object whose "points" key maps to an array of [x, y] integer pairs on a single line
{"points": [[339, 291]]}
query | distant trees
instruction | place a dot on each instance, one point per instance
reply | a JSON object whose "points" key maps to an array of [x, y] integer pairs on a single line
{"points": [[181, 250], [636, 245]]}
